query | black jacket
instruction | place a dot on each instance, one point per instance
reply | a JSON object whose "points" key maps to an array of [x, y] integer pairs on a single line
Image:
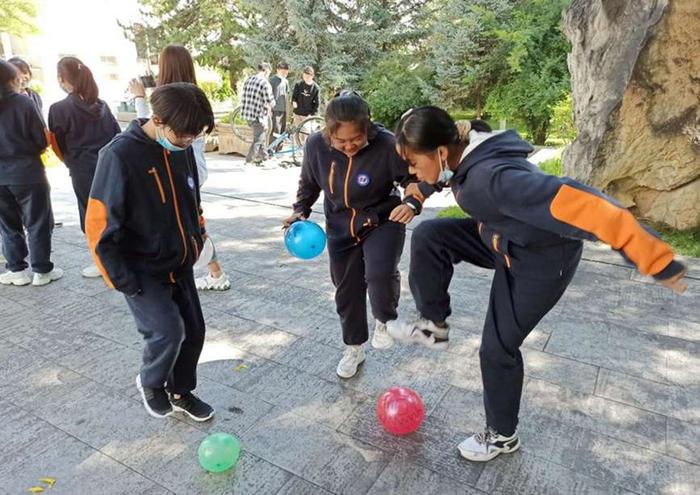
{"points": [[143, 214], [22, 141], [525, 215], [359, 192], [79, 131], [307, 98]]}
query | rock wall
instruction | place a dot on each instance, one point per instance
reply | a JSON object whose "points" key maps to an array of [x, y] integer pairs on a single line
{"points": [[635, 68]]}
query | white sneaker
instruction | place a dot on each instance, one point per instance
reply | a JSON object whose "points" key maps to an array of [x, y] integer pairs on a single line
{"points": [[209, 282], [352, 358], [46, 278], [421, 331], [16, 278], [484, 446], [91, 272], [381, 338]]}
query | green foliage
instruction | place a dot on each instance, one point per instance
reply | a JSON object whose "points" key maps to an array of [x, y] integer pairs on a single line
{"points": [[684, 242], [552, 166], [17, 17], [536, 77], [562, 125], [217, 91], [452, 212], [214, 30], [392, 87]]}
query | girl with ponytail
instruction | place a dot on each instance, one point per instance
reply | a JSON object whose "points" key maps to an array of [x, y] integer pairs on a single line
{"points": [[79, 126], [524, 225]]}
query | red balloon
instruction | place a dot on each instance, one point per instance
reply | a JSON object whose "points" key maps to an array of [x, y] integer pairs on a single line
{"points": [[400, 410]]}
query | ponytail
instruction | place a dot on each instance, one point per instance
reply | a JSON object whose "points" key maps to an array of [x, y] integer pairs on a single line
{"points": [[78, 75]]}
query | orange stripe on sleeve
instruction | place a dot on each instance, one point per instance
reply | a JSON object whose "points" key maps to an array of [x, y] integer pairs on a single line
{"points": [[95, 225], [51, 139], [613, 225]]}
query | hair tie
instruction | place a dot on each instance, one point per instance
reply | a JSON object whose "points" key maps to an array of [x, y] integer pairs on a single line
{"points": [[80, 66], [463, 128]]}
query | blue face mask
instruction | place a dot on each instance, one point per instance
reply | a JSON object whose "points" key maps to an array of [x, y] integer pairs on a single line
{"points": [[445, 173], [165, 143]]}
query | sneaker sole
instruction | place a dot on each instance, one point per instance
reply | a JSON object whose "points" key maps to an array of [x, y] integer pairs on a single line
{"points": [[192, 416], [145, 403], [16, 284], [355, 373], [491, 456], [47, 282]]}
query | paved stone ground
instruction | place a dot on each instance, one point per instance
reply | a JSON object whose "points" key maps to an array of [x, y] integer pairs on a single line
{"points": [[611, 401]]}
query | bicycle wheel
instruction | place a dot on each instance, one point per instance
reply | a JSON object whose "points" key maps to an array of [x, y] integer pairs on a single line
{"points": [[307, 127], [242, 130]]}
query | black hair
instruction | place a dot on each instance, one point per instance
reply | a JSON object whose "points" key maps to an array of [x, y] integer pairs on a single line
{"points": [[8, 75], [309, 70], [78, 75], [183, 107], [424, 129], [264, 66], [283, 66], [21, 64], [348, 107]]}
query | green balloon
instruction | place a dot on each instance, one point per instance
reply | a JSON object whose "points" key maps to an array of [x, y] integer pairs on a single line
{"points": [[219, 452]]}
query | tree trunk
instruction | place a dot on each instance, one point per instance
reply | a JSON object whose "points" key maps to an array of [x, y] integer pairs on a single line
{"points": [[635, 70]]}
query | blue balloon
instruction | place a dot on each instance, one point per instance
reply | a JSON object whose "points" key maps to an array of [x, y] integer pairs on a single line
{"points": [[305, 239]]}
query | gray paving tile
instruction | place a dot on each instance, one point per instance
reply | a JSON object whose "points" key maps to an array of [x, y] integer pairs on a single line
{"points": [[76, 468], [251, 474], [607, 459], [683, 440], [299, 486], [607, 417], [329, 459], [401, 476], [671, 400], [433, 445], [601, 344], [568, 373], [526, 474]]}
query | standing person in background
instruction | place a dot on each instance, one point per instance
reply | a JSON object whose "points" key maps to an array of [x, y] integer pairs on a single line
{"points": [[25, 72], [256, 104], [175, 64], [25, 195], [305, 97], [280, 90], [79, 126]]}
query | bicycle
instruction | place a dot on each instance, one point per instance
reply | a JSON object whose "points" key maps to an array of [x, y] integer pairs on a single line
{"points": [[290, 142]]}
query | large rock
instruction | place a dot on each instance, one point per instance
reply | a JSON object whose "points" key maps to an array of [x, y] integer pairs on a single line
{"points": [[635, 68]]}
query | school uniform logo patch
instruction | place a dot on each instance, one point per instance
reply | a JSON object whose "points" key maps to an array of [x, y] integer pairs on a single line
{"points": [[190, 182], [363, 180]]}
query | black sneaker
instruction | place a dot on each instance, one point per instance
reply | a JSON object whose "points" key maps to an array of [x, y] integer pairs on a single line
{"points": [[155, 400], [193, 406]]}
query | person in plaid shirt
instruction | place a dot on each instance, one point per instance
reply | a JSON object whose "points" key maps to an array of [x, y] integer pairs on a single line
{"points": [[256, 105]]}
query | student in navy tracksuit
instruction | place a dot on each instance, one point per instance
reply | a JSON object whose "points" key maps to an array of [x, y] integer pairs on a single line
{"points": [[25, 195], [25, 73], [80, 125], [145, 230], [526, 226], [354, 162]]}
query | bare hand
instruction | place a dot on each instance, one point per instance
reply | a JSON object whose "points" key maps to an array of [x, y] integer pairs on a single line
{"points": [[402, 214], [676, 283], [295, 217], [136, 88], [413, 190]]}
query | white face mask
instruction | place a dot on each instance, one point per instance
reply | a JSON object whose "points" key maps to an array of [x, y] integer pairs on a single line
{"points": [[445, 172]]}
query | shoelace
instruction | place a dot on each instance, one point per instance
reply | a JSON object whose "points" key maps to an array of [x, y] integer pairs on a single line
{"points": [[487, 436]]}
